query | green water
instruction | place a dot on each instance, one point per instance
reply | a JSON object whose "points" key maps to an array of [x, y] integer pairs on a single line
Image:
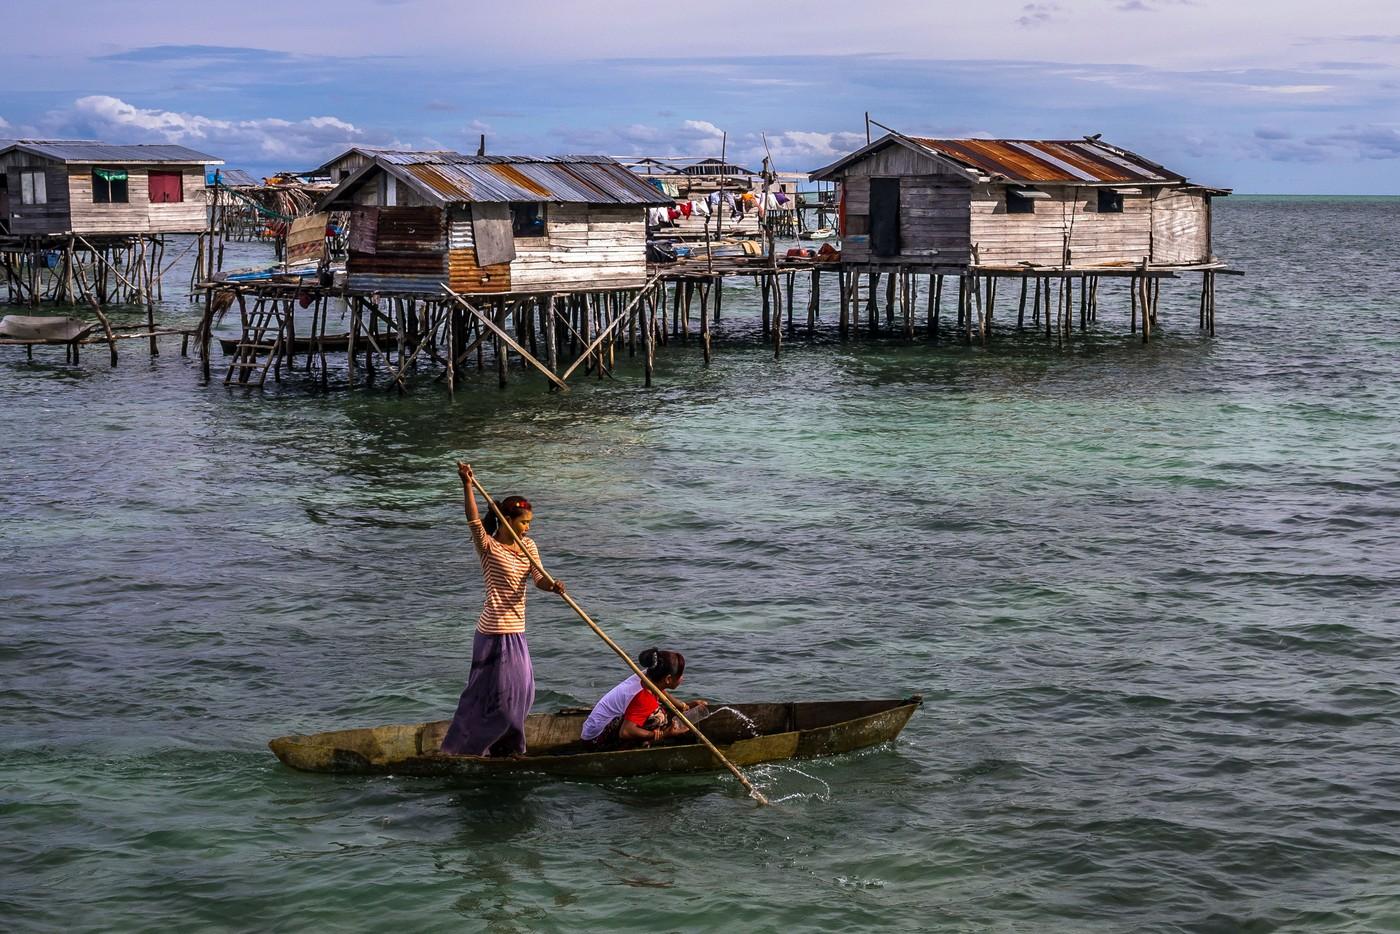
{"points": [[1149, 592]]}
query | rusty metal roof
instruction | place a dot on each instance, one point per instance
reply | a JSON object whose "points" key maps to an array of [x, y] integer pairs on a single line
{"points": [[1033, 160], [89, 151], [453, 177]]}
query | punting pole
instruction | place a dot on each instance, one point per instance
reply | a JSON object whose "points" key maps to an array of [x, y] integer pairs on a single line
{"points": [[646, 682]]}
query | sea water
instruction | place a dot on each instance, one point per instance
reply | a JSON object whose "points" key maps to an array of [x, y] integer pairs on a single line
{"points": [[1149, 594]]}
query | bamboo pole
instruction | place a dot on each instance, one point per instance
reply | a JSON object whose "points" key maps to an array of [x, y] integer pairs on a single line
{"points": [[660, 695]]}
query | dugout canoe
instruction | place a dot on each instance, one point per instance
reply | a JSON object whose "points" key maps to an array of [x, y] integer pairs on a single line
{"points": [[799, 730]]}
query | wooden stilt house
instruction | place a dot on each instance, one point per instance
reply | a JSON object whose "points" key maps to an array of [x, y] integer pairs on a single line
{"points": [[62, 187], [915, 201], [493, 224]]}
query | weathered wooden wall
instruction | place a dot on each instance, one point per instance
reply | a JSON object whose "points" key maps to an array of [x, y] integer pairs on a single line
{"points": [[1068, 218], [138, 214], [934, 219], [896, 159], [584, 246], [1181, 226], [50, 217]]}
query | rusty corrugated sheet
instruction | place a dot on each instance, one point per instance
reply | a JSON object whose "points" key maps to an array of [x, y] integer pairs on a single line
{"points": [[1066, 161], [452, 177]]}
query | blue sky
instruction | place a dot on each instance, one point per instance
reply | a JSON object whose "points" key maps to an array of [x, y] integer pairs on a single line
{"points": [[1263, 97]]}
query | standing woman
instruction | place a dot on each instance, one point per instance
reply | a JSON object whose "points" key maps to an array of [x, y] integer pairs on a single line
{"points": [[490, 719]]}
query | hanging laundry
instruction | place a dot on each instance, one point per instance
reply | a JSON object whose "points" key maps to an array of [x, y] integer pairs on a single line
{"points": [[700, 207], [685, 208], [781, 198]]}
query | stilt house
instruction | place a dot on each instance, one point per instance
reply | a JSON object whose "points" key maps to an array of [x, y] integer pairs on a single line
{"points": [[84, 187], [1083, 203], [493, 224]]}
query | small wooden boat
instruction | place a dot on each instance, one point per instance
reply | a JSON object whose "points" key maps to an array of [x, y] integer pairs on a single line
{"points": [[746, 733], [821, 233]]}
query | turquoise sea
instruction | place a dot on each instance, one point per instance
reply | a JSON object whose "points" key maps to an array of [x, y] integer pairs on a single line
{"points": [[1151, 595]]}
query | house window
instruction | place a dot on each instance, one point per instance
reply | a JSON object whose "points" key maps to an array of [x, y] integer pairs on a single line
{"points": [[1110, 201], [1018, 203], [33, 188], [109, 186], [167, 187], [527, 219]]}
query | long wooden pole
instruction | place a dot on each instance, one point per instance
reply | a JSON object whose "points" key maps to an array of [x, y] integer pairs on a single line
{"points": [[646, 682]]}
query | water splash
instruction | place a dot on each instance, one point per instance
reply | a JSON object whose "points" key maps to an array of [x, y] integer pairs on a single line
{"points": [[767, 776], [743, 719]]}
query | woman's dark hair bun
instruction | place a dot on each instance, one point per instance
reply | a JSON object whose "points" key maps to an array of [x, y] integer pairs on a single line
{"points": [[649, 658]]}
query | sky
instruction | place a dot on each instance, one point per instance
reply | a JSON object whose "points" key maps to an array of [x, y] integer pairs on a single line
{"points": [[1283, 96]]}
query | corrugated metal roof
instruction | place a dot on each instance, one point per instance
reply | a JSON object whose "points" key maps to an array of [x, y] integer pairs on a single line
{"points": [[64, 151], [575, 179], [1027, 160], [233, 178]]}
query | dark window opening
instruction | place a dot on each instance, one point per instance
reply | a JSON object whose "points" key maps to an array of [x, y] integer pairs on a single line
{"points": [[1017, 203], [344, 174], [166, 187], [527, 219], [1110, 201], [109, 186]]}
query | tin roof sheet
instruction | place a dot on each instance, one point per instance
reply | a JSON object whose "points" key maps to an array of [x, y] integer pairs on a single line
{"points": [[578, 179], [88, 151], [1027, 160]]}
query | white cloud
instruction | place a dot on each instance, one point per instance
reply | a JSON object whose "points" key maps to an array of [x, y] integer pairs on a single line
{"points": [[703, 128], [1289, 88], [796, 150], [262, 140], [4, 123]]}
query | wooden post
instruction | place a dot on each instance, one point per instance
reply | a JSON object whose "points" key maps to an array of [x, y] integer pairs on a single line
{"points": [[1132, 306], [935, 304], [1021, 308], [705, 320], [891, 290], [844, 325], [871, 311], [766, 289]]}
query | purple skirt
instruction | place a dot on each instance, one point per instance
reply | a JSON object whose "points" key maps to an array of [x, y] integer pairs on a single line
{"points": [[490, 718]]}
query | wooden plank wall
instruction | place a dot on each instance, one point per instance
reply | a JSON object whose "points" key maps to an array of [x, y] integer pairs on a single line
{"points": [[51, 217], [586, 246], [934, 219], [1070, 214], [138, 214], [1181, 226], [896, 159]]}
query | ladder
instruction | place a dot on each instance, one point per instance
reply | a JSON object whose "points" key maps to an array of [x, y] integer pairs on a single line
{"points": [[260, 347]]}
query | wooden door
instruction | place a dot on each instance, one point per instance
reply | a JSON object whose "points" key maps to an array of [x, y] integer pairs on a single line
{"points": [[884, 217], [167, 187]]}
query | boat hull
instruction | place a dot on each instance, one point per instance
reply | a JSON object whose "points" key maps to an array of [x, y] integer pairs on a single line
{"points": [[786, 731]]}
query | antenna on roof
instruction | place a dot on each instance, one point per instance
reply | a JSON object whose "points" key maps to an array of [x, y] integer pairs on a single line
{"points": [[867, 128]]}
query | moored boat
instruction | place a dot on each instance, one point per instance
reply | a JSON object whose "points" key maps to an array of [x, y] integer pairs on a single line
{"points": [[747, 734]]}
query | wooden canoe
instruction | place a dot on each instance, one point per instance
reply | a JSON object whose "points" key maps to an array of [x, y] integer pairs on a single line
{"points": [[784, 731]]}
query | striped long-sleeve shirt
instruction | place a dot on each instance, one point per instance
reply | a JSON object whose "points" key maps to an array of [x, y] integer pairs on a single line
{"points": [[504, 572]]}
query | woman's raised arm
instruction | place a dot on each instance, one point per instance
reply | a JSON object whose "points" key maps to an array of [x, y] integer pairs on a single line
{"points": [[464, 470]]}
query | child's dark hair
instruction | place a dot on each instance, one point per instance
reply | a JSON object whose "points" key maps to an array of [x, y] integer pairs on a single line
{"points": [[511, 506], [658, 664]]}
